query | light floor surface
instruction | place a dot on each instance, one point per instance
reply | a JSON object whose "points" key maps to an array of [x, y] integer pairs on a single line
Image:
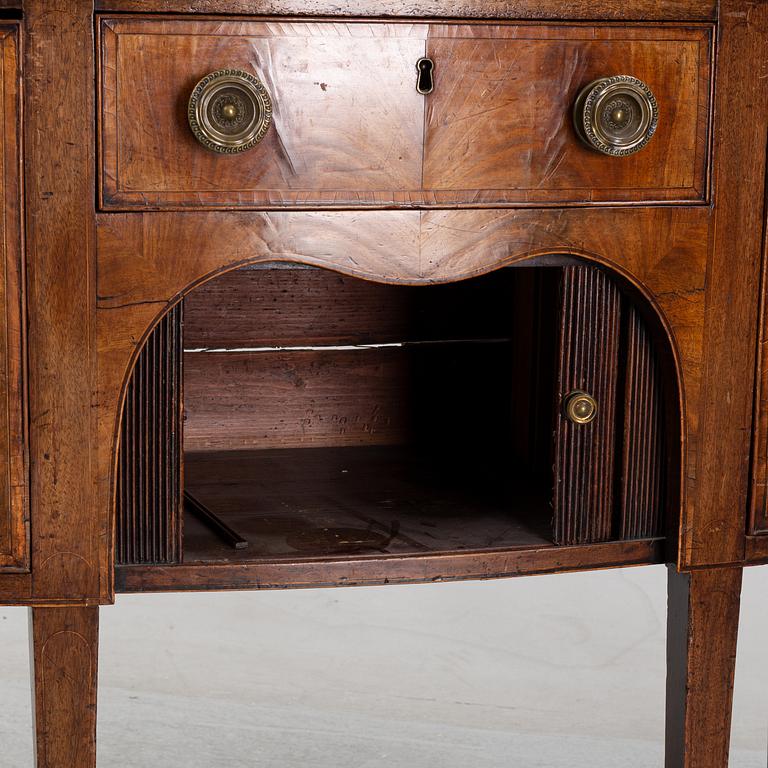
{"points": [[550, 671]]}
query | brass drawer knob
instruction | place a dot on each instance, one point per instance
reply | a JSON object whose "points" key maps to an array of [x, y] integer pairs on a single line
{"points": [[580, 408], [616, 115], [229, 111]]}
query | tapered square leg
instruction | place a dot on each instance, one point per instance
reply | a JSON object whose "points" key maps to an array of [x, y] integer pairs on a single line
{"points": [[702, 627], [64, 673]]}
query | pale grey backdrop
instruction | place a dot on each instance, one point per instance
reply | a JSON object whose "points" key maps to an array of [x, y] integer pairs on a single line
{"points": [[546, 671]]}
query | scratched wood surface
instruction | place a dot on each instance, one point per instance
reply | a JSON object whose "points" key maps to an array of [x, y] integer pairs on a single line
{"points": [[14, 512], [417, 247], [499, 123], [633, 10], [332, 138], [506, 92], [69, 560], [65, 644]]}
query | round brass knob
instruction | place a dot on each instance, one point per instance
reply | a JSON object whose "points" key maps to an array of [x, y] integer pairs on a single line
{"points": [[229, 111], [616, 115], [580, 408]]}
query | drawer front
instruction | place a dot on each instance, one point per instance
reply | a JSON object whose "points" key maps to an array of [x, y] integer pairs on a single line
{"points": [[347, 122], [14, 547], [348, 127], [499, 126]]}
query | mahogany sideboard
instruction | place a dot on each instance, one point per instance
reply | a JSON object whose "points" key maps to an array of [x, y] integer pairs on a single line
{"points": [[324, 293]]}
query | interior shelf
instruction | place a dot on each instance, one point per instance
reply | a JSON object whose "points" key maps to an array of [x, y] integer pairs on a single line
{"points": [[355, 501]]}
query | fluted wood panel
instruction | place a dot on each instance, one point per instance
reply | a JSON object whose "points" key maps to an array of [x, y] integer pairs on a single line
{"points": [[642, 486], [588, 355], [149, 471]]}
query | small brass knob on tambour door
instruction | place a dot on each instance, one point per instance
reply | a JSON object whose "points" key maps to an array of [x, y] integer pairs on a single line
{"points": [[616, 115], [580, 408], [229, 111]]}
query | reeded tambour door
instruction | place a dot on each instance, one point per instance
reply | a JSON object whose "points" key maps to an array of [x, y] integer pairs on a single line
{"points": [[14, 547]]}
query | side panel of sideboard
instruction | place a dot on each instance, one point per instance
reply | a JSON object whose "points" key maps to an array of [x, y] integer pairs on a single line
{"points": [[14, 532], [68, 553]]}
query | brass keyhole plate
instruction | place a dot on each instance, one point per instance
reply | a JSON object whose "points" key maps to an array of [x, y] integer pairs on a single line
{"points": [[426, 82]]}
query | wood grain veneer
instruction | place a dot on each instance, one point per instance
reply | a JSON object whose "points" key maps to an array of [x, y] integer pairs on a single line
{"points": [[452, 245], [68, 556], [14, 511], [341, 138], [64, 644]]}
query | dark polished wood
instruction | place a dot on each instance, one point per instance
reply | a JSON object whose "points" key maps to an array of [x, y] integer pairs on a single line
{"points": [[583, 498], [64, 646], [14, 484], [644, 485], [703, 621]]}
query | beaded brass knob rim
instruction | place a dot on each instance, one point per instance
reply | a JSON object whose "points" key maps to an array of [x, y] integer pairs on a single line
{"points": [[616, 115], [580, 408], [229, 111]]}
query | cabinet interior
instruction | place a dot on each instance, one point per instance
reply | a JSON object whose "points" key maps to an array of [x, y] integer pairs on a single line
{"points": [[293, 413]]}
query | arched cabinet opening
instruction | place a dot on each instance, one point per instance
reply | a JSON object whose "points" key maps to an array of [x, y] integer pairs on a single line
{"points": [[284, 413]]}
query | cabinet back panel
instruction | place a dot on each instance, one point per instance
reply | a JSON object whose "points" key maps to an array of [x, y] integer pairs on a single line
{"points": [[281, 307], [439, 366], [383, 396]]}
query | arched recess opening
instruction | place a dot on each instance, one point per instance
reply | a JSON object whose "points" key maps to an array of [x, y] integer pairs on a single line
{"points": [[285, 413]]}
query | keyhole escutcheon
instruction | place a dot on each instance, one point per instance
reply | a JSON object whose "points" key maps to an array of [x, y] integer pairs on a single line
{"points": [[425, 82]]}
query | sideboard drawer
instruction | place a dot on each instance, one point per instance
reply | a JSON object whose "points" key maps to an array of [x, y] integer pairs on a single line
{"points": [[348, 126]]}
